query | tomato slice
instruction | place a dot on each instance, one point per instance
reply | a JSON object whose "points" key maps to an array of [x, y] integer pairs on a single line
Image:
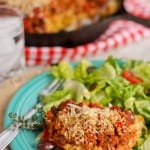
{"points": [[128, 75]]}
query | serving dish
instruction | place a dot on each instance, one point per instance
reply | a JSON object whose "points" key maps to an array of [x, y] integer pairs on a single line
{"points": [[84, 35], [68, 39], [79, 33], [22, 102], [81, 36]]}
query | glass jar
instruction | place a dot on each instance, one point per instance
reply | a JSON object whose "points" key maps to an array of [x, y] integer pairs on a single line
{"points": [[12, 59]]}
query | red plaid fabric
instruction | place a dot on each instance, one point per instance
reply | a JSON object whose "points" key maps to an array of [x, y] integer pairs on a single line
{"points": [[119, 33], [138, 8]]}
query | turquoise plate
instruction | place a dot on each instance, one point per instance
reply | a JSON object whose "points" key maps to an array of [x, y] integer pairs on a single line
{"points": [[22, 102]]}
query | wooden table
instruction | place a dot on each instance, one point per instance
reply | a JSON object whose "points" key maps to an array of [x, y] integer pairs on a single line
{"points": [[9, 87]]}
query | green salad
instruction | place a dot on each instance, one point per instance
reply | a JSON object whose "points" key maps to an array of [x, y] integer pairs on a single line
{"points": [[114, 82]]}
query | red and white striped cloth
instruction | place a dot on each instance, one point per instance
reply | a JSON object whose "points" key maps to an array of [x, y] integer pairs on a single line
{"points": [[119, 33], [138, 8]]}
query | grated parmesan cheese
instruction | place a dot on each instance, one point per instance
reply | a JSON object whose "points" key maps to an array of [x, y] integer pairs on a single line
{"points": [[81, 120]]}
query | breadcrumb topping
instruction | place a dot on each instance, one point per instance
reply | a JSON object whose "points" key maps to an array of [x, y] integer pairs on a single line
{"points": [[91, 126]]}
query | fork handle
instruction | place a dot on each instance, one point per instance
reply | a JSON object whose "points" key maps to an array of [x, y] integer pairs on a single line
{"points": [[8, 135]]}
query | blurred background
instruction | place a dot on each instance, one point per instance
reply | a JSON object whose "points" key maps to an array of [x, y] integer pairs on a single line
{"points": [[92, 29]]}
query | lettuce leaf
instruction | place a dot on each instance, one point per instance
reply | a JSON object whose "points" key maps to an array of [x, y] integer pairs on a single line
{"points": [[77, 89], [55, 99], [143, 108], [80, 71], [62, 71]]}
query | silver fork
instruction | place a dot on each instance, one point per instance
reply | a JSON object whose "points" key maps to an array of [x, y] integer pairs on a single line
{"points": [[11, 132]]}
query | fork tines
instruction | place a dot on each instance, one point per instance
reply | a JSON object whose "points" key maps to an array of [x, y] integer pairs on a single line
{"points": [[55, 85]]}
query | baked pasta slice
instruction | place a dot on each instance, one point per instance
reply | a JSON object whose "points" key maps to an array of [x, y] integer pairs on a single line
{"points": [[81, 126]]}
